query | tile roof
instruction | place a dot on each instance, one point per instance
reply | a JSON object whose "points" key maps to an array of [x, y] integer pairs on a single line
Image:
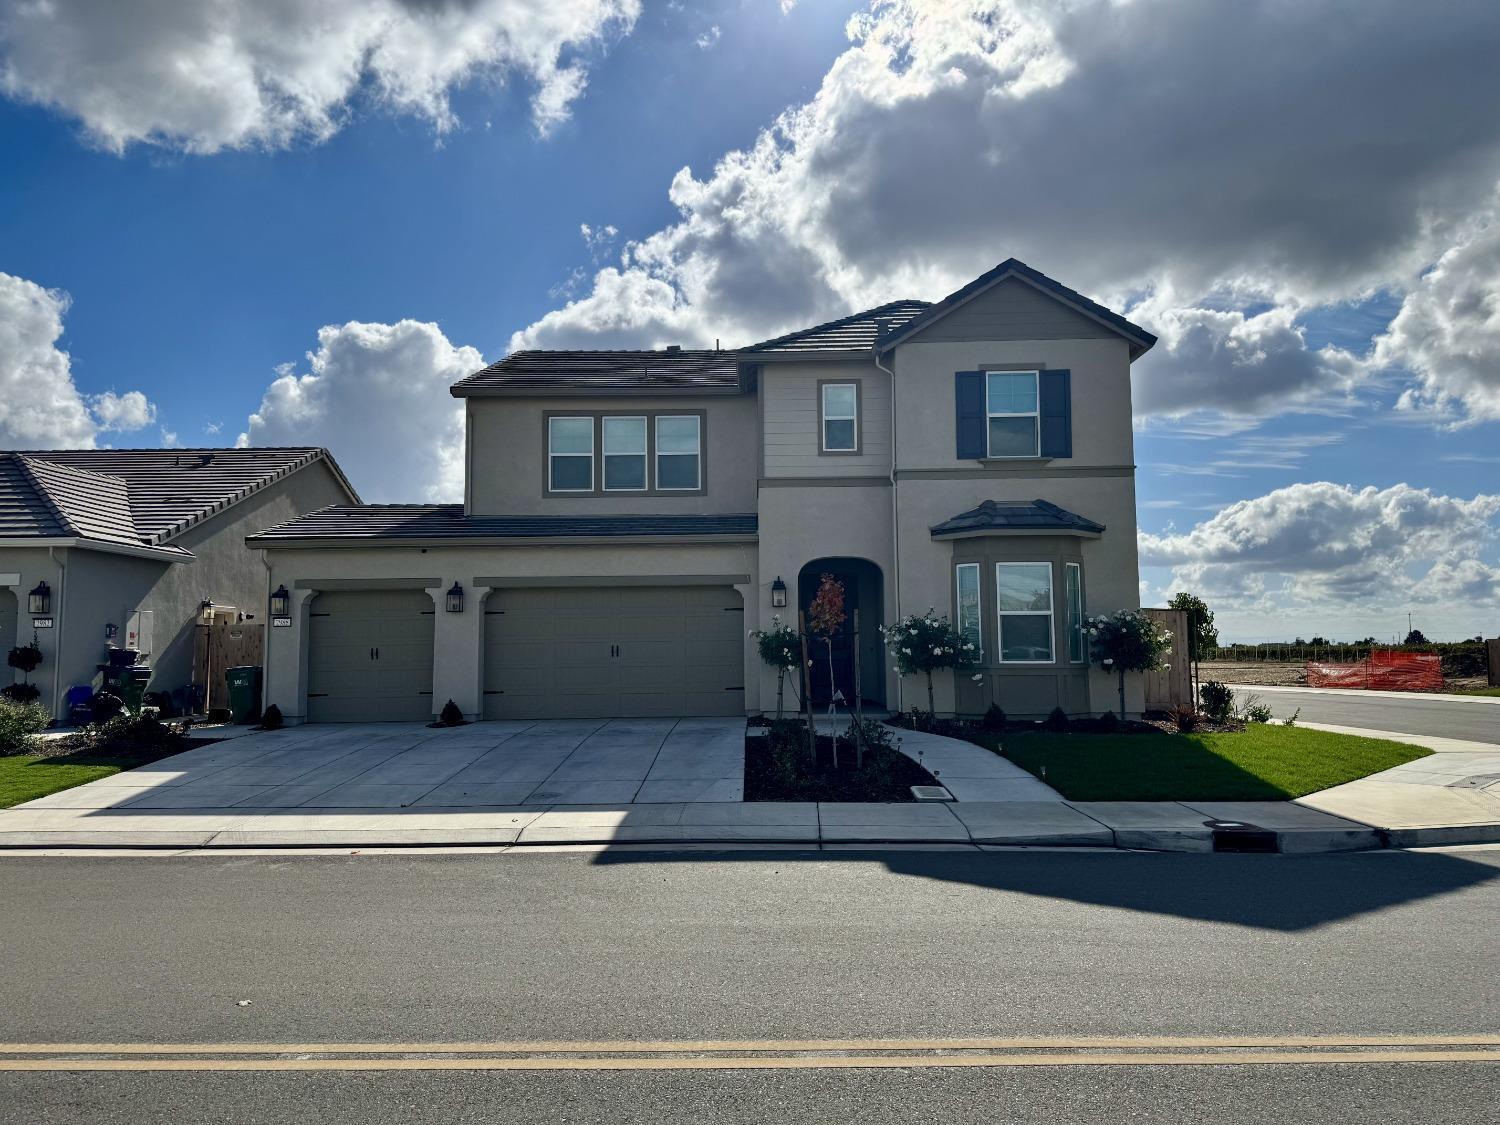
{"points": [[1016, 515], [138, 497], [447, 521], [850, 333], [622, 372]]}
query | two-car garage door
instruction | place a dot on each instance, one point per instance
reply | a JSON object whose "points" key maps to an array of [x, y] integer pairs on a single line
{"points": [[598, 652], [369, 656]]}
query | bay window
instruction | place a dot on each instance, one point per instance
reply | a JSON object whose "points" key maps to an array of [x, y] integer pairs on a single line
{"points": [[1023, 604]]}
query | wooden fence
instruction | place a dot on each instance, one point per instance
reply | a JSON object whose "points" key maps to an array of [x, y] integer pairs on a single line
{"points": [[223, 645], [1171, 687]]}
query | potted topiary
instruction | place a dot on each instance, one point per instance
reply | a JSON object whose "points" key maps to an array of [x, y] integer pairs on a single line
{"points": [[1128, 641], [927, 644], [25, 659], [780, 647]]}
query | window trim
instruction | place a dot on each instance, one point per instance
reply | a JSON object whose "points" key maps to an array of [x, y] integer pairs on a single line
{"points": [[656, 419], [644, 454], [824, 418], [1034, 415], [1002, 614], [958, 604], [593, 446], [1078, 628]]}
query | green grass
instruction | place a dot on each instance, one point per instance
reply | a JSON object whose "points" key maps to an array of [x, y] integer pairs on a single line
{"points": [[1493, 691], [1262, 763], [27, 777]]}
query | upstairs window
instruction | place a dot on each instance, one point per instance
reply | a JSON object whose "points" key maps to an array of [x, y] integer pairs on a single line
{"points": [[679, 453], [1011, 415], [570, 454], [624, 454], [840, 408], [1023, 597]]}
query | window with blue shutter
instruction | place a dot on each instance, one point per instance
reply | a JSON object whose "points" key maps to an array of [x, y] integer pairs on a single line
{"points": [[1056, 397], [968, 401]]}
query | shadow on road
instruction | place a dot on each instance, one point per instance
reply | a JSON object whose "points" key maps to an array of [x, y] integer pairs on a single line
{"points": [[1270, 892]]}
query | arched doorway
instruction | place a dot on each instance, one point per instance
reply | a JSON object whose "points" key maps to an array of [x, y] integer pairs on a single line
{"points": [[864, 590]]}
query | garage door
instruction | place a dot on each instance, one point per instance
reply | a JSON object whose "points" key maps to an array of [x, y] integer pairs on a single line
{"points": [[369, 656], [601, 652]]}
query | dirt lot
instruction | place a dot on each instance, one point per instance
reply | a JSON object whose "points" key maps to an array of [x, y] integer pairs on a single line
{"points": [[1270, 673]]}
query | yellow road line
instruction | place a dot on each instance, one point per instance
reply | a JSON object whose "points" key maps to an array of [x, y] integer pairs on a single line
{"points": [[825, 1062], [1148, 1042]]}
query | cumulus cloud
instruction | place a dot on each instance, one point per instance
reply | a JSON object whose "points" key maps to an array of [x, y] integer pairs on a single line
{"points": [[236, 73], [1321, 544], [377, 396], [40, 405], [1126, 149]]}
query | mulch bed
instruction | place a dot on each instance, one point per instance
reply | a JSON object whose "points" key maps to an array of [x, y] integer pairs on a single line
{"points": [[779, 768]]}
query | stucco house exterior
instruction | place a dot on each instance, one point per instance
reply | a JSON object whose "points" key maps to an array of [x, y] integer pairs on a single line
{"points": [[134, 542], [630, 516]]}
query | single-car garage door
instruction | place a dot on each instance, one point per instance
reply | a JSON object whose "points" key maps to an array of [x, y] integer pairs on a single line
{"points": [[369, 656], [599, 652]]}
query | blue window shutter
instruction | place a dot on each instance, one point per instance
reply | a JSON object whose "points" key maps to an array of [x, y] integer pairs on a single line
{"points": [[1056, 400], [968, 400]]}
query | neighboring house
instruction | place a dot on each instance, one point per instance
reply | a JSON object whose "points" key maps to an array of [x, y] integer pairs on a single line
{"points": [[629, 517], [139, 540]]}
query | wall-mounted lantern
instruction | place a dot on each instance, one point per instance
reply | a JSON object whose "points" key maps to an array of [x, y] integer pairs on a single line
{"points": [[206, 612], [778, 594], [40, 599], [281, 603], [456, 599]]}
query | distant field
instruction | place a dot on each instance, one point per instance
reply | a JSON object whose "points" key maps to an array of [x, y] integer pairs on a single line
{"points": [[1272, 673]]}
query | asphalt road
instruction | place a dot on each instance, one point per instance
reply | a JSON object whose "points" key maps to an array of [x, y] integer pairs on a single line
{"points": [[641, 945], [1477, 722]]}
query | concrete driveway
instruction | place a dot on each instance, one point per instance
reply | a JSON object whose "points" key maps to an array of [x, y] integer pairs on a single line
{"points": [[400, 765]]}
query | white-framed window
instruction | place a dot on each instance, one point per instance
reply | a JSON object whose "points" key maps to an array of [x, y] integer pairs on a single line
{"points": [[1012, 419], [1023, 605], [679, 452], [966, 581], [624, 441], [570, 454], [1078, 649], [840, 409]]}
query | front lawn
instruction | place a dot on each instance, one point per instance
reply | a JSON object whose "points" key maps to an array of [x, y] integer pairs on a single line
{"points": [[1263, 762], [29, 776], [87, 755]]}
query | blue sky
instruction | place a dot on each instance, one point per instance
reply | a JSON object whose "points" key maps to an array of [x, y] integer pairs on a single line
{"points": [[223, 233]]}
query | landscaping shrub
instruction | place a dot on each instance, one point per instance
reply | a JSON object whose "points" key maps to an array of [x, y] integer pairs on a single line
{"points": [[129, 735], [994, 718], [779, 767], [781, 648], [451, 716], [1058, 720], [272, 719], [924, 644], [1217, 700], [1107, 723], [1253, 710], [19, 723], [105, 706], [1128, 641], [1186, 719], [21, 693]]}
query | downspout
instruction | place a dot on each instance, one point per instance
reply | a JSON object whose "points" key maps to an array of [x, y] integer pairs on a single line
{"points": [[895, 514], [57, 629]]}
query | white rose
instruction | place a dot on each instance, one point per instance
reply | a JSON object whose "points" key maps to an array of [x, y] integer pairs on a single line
{"points": [[1107, 662], [977, 677]]}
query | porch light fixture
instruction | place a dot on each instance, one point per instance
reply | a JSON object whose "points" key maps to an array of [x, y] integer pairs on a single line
{"points": [[456, 599], [778, 594], [281, 603], [40, 600]]}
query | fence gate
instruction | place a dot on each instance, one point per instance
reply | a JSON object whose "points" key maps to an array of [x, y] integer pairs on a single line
{"points": [[223, 645], [1171, 687]]}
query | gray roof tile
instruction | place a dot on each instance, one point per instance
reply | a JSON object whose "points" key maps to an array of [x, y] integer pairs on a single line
{"points": [[850, 333], [607, 372], [447, 521], [1015, 515]]}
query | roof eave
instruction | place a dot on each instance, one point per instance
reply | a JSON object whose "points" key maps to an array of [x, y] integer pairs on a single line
{"points": [[325, 542], [595, 392], [80, 542], [980, 532]]}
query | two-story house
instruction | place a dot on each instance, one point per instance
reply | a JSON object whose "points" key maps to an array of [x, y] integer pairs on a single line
{"points": [[630, 516]]}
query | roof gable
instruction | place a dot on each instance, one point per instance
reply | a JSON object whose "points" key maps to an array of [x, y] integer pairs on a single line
{"points": [[1138, 338]]}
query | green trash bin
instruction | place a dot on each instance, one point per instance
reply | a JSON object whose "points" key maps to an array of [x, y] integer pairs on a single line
{"points": [[244, 693]]}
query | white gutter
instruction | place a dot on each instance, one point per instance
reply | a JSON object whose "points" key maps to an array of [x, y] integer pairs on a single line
{"points": [[895, 513], [103, 546]]}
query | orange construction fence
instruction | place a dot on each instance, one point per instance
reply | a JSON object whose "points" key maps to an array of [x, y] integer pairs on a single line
{"points": [[1385, 670]]}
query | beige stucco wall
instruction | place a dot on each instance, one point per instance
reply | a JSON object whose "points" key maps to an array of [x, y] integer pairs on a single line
{"points": [[458, 648], [507, 456], [23, 568], [790, 418]]}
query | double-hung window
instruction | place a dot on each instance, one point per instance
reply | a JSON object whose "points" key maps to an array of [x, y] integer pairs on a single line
{"points": [[840, 411], [570, 454], [1077, 644], [679, 453], [1023, 600], [1011, 415], [966, 576], [624, 454]]}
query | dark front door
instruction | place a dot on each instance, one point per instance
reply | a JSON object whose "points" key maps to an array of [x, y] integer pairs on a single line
{"points": [[862, 592]]}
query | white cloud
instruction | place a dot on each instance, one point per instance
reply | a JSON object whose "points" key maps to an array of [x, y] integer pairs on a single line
{"points": [[1322, 545], [40, 405], [129, 411], [709, 38], [377, 396], [1125, 149], [237, 73]]}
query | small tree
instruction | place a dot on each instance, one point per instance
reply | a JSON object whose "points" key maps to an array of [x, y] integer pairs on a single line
{"points": [[927, 644], [1416, 637], [825, 617], [778, 647], [25, 659], [1128, 641]]}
